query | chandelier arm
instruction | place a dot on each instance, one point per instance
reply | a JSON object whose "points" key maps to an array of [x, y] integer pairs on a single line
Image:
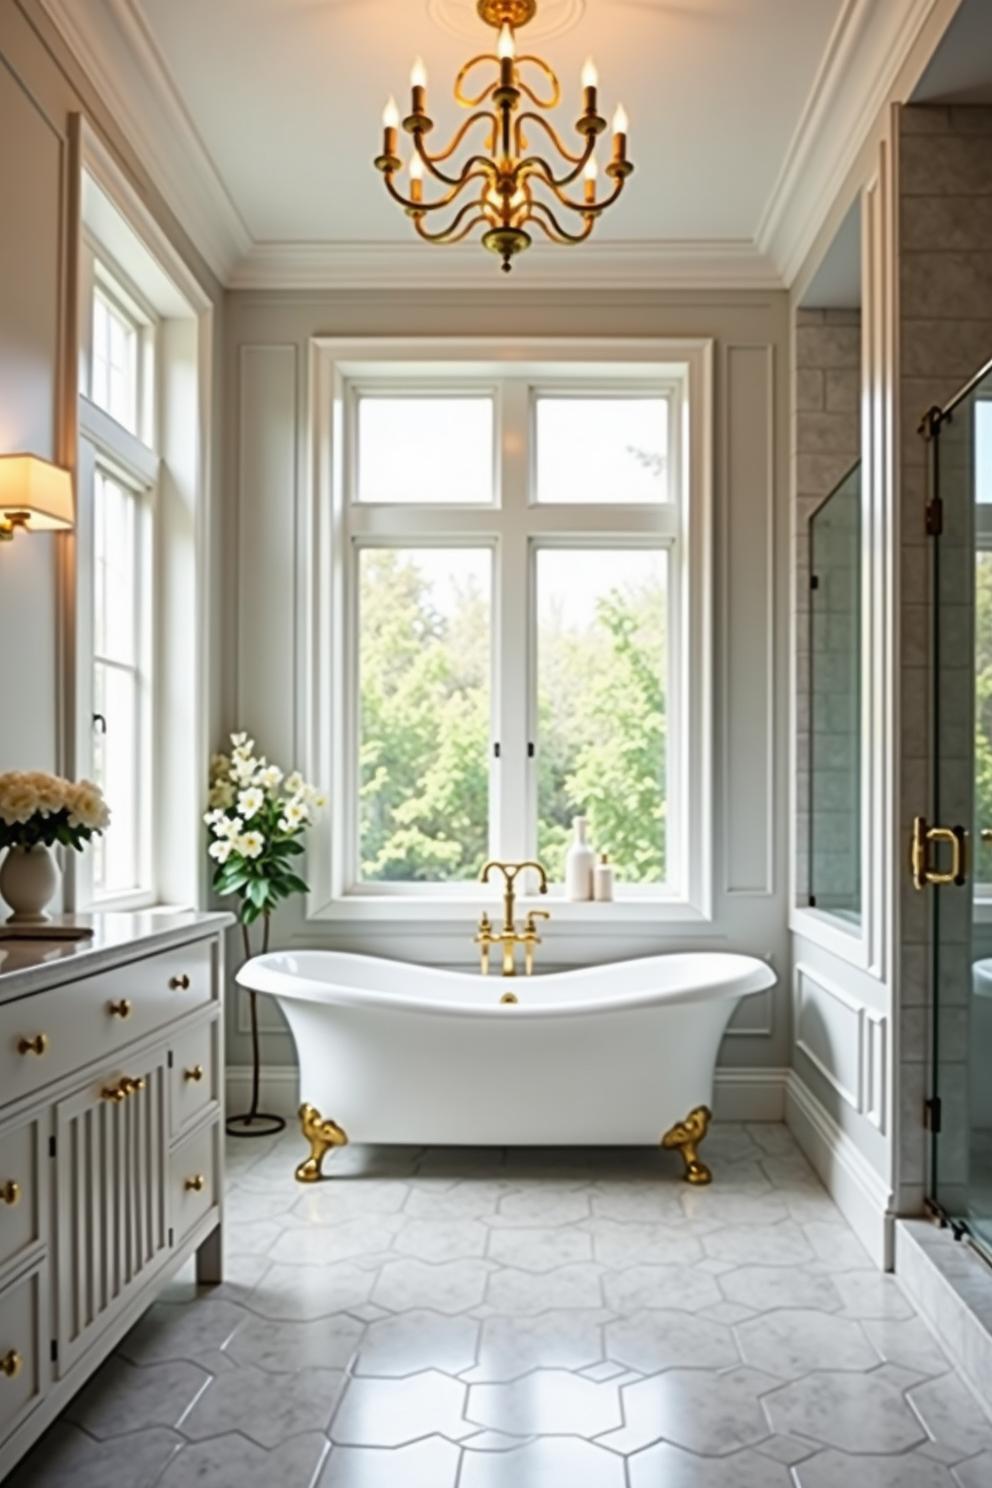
{"points": [[444, 201], [453, 146], [550, 75], [553, 227], [451, 234], [482, 161], [469, 66], [590, 208], [577, 160]]}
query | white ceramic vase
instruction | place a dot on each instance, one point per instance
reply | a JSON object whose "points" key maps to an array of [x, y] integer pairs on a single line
{"points": [[29, 879], [579, 862]]}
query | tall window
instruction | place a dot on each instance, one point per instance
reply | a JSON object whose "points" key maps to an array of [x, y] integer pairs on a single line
{"points": [[512, 582], [119, 467]]}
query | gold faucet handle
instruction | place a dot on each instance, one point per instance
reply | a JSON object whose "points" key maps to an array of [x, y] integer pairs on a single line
{"points": [[530, 927], [485, 929]]}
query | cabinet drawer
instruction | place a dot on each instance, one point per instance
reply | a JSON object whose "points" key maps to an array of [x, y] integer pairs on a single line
{"points": [[195, 1170], [194, 1074], [22, 1348], [20, 1190], [45, 1037]]}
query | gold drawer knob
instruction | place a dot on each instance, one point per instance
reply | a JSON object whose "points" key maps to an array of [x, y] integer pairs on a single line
{"points": [[11, 1364], [126, 1085], [121, 1009], [196, 1184], [179, 983], [37, 1045], [10, 1193], [195, 1074], [132, 1084]]}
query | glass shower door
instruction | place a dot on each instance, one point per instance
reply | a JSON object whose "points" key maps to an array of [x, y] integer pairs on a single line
{"points": [[959, 852]]}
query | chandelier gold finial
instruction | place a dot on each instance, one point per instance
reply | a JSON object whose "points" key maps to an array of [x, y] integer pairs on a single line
{"points": [[513, 184]]}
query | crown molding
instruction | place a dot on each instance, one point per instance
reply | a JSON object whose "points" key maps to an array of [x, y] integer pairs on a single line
{"points": [[716, 264], [868, 47], [112, 44]]}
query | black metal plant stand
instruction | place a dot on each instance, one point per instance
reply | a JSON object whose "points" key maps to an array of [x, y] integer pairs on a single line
{"points": [[255, 1123]]}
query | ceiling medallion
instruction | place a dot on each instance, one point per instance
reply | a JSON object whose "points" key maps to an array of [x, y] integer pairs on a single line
{"points": [[515, 189], [461, 18]]}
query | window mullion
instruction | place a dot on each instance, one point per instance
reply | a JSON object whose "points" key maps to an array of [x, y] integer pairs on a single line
{"points": [[513, 806]]}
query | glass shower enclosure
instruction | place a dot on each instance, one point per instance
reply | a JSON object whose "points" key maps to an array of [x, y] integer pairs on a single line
{"points": [[954, 852]]}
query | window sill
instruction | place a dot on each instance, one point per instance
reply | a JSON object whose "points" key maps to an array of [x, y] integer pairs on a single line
{"points": [[427, 911]]}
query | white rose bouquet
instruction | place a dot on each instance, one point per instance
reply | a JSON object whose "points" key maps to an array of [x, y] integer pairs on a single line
{"points": [[256, 819], [37, 809]]}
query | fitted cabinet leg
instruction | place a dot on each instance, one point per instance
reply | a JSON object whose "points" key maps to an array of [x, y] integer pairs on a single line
{"points": [[210, 1259]]}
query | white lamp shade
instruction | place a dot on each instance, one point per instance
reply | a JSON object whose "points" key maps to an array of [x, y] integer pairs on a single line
{"points": [[37, 488]]}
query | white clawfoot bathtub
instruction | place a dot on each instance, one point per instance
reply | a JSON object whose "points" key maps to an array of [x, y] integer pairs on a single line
{"points": [[607, 1055]]}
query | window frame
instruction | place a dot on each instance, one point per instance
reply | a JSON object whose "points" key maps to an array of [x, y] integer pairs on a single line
{"points": [[521, 372], [130, 460]]}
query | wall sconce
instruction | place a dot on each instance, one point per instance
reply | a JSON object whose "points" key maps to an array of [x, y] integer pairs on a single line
{"points": [[35, 495]]}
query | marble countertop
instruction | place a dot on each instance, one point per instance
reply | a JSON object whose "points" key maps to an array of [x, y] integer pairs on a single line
{"points": [[28, 966]]}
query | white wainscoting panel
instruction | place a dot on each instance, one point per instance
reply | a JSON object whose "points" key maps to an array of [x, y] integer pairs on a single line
{"points": [[830, 1032], [747, 530]]}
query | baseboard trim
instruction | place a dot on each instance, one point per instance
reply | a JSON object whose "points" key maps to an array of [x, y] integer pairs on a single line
{"points": [[752, 1094], [859, 1192]]}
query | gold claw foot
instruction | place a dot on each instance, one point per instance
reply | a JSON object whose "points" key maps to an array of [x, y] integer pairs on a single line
{"points": [[322, 1136], [686, 1136]]}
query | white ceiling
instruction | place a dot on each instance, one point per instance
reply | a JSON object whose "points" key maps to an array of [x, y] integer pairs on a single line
{"points": [[287, 96]]}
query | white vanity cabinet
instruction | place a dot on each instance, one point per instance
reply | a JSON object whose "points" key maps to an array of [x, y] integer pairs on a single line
{"points": [[111, 1150]]}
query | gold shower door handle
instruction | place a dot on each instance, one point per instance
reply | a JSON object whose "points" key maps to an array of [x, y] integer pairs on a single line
{"points": [[922, 859]]}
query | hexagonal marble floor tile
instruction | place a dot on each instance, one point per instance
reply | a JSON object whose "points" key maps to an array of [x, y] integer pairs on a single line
{"points": [[553, 1462], [660, 1286], [350, 1239], [620, 1243], [549, 1402], [715, 1207], [393, 1412], [952, 1416], [652, 1341], [340, 1198], [577, 1286], [412, 1342], [559, 1339], [302, 1293], [907, 1342], [123, 1397], [539, 1249], [907, 1470], [233, 1460], [763, 1288], [284, 1347], [266, 1408], [702, 1411], [67, 1455], [665, 1466], [541, 1204], [856, 1412], [437, 1240], [795, 1341], [195, 1331], [782, 1244], [452, 1286], [432, 1463]]}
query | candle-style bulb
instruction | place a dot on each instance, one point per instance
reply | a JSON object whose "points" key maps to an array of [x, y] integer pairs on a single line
{"points": [[621, 123], [418, 74], [416, 168], [590, 74], [506, 47], [391, 115], [592, 169]]}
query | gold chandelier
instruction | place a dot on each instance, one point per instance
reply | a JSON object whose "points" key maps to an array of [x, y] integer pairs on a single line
{"points": [[513, 189]]}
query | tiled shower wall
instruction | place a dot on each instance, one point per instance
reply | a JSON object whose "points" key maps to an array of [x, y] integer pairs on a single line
{"points": [[827, 443], [944, 184]]}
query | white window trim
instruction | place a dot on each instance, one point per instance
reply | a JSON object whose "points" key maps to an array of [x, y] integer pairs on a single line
{"points": [[323, 658]]}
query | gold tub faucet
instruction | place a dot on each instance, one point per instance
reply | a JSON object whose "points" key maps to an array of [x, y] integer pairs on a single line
{"points": [[510, 937]]}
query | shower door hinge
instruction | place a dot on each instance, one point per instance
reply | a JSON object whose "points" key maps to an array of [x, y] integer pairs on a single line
{"points": [[51, 1146], [814, 581], [932, 1114], [53, 1351], [935, 517]]}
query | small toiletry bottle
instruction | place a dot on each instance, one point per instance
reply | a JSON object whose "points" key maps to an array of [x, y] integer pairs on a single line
{"points": [[579, 863], [602, 880]]}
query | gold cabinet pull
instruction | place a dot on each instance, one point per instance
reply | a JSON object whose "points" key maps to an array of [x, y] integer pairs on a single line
{"points": [[196, 1184], [922, 869], [126, 1085], [133, 1083], [121, 1009], [37, 1045], [195, 1074], [10, 1193], [11, 1364], [179, 983]]}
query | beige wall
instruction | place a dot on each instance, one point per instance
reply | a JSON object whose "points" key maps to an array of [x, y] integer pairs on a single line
{"points": [[266, 370]]}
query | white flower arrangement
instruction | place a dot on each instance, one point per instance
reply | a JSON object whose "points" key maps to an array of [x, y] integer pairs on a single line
{"points": [[256, 818], [39, 808]]}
